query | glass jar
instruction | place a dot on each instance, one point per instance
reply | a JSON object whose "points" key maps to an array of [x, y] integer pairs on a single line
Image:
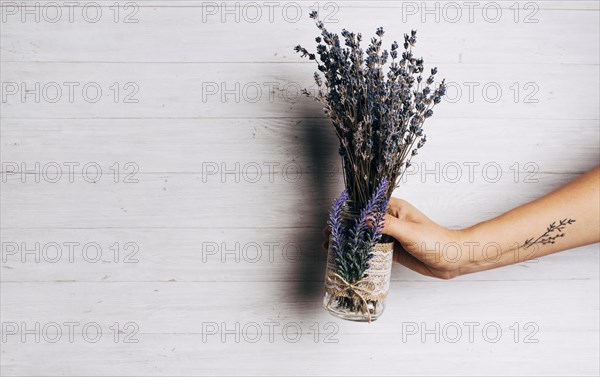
{"points": [[362, 300]]}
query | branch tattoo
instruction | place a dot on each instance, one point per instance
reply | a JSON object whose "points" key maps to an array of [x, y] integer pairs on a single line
{"points": [[553, 232]]}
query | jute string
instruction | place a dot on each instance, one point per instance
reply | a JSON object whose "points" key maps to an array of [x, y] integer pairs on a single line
{"points": [[374, 287]]}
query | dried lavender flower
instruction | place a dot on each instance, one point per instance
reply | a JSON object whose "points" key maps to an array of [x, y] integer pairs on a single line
{"points": [[352, 245], [336, 226], [378, 115]]}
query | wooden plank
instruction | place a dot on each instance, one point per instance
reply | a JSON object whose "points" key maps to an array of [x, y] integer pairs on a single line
{"points": [[212, 255], [381, 354], [196, 145], [191, 234], [197, 201], [273, 90], [154, 306], [178, 316], [197, 31]]}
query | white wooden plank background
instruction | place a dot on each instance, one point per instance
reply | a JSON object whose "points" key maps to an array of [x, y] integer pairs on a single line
{"points": [[203, 250]]}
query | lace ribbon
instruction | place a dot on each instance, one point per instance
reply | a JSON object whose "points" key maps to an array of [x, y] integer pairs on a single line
{"points": [[374, 287]]}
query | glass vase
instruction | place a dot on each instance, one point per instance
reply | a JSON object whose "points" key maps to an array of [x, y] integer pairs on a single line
{"points": [[363, 300]]}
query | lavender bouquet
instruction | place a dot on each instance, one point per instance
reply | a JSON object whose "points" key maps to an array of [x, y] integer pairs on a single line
{"points": [[378, 118]]}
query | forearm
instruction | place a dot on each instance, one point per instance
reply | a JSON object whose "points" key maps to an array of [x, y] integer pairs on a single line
{"points": [[564, 219]]}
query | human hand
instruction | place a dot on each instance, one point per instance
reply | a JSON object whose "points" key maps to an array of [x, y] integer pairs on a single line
{"points": [[516, 236], [420, 242]]}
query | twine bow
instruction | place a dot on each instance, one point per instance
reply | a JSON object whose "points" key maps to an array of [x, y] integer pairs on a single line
{"points": [[346, 286]]}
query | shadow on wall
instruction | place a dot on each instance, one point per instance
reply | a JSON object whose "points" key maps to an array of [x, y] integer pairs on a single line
{"points": [[314, 147], [319, 146]]}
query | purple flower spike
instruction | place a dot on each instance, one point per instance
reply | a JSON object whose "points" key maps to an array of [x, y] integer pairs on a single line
{"points": [[336, 224]]}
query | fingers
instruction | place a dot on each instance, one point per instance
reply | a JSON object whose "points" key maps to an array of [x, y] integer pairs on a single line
{"points": [[403, 210], [411, 262], [399, 229], [410, 235], [406, 233]]}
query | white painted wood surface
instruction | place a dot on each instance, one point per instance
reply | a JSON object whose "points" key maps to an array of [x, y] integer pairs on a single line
{"points": [[205, 245]]}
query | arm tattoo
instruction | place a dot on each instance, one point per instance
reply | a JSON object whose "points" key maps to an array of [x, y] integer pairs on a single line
{"points": [[553, 232]]}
